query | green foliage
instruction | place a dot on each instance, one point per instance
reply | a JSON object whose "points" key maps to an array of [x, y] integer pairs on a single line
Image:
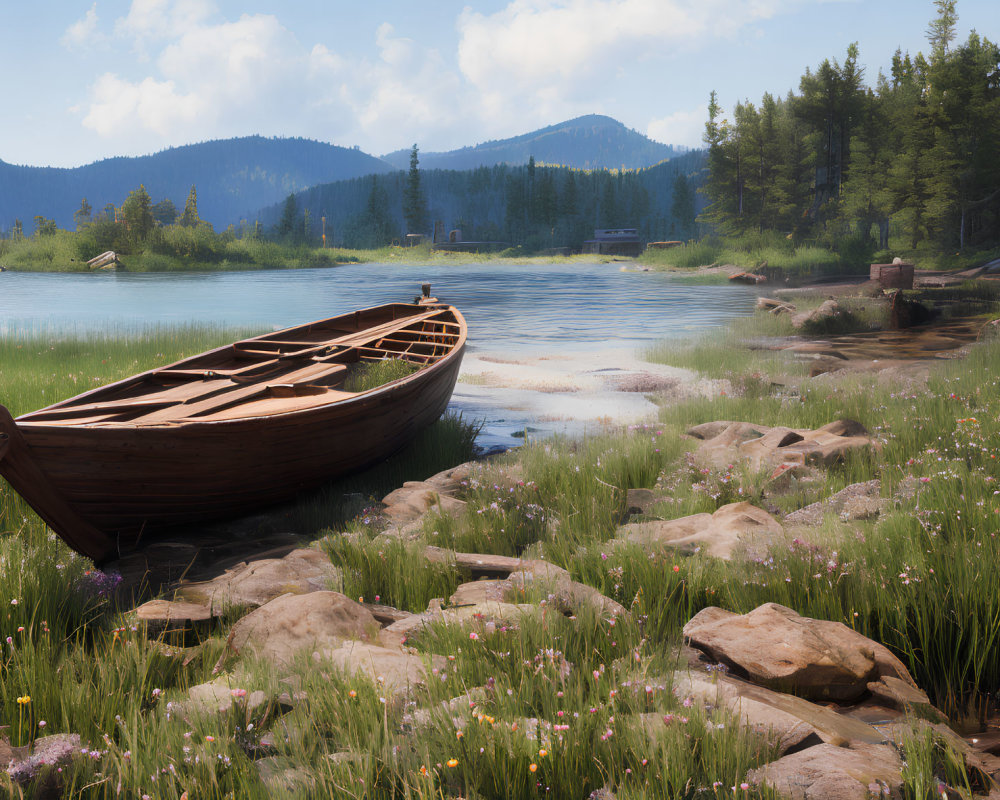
{"points": [[913, 158]]}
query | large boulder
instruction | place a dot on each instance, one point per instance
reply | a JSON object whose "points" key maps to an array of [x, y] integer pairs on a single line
{"points": [[854, 502], [717, 534], [827, 772], [293, 623], [774, 646]]}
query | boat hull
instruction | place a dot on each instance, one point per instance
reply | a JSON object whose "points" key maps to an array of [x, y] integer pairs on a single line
{"points": [[104, 488]]}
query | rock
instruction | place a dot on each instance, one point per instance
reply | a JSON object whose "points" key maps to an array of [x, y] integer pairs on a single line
{"points": [[717, 534], [256, 583], [396, 673], [479, 609], [475, 563], [168, 616], [708, 684], [284, 777], [828, 310], [857, 501], [292, 623], [641, 501], [779, 649], [897, 693], [46, 758], [413, 499], [774, 449], [568, 595], [827, 772], [216, 697], [773, 306]]}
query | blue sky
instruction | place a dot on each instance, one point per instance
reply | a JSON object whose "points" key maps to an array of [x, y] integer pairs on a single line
{"points": [[88, 80]]}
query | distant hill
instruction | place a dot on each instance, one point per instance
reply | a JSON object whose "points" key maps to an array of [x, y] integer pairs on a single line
{"points": [[234, 178], [590, 142]]}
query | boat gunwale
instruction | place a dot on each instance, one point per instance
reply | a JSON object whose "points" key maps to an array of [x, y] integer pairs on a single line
{"points": [[422, 374]]}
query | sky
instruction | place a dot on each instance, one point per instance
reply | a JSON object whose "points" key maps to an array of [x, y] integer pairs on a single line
{"points": [[85, 80]]}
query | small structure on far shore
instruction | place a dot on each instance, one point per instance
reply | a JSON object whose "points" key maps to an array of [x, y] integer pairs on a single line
{"points": [[664, 245], [897, 275], [614, 242]]}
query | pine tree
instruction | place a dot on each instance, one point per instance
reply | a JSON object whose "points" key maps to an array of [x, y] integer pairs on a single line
{"points": [[289, 217], [137, 214], [82, 215], [190, 218], [414, 203]]}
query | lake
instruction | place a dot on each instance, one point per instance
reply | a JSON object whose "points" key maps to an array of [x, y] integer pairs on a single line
{"points": [[513, 310]]}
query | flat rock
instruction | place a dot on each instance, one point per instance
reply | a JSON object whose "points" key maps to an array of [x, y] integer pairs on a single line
{"points": [[777, 648], [172, 615], [258, 582], [772, 449], [397, 673], [827, 310], [827, 772], [854, 502], [293, 623], [789, 722], [717, 534]]}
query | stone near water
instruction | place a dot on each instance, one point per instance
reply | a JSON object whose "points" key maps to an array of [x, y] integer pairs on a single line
{"points": [[256, 583]]}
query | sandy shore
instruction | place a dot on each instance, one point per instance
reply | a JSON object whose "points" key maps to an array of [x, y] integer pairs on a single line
{"points": [[569, 392]]}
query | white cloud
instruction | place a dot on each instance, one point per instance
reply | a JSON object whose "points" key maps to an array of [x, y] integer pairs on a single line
{"points": [[680, 128], [83, 33], [216, 78], [549, 56]]}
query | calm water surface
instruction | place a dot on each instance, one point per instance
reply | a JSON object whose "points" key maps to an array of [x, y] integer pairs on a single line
{"points": [[515, 308]]}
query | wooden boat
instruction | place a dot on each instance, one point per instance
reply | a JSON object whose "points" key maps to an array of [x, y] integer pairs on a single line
{"points": [[231, 430]]}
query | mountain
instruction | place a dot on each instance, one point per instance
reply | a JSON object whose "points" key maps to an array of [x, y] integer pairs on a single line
{"points": [[590, 142], [234, 178]]}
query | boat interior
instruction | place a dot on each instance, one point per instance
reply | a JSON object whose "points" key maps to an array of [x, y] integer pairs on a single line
{"points": [[290, 370]]}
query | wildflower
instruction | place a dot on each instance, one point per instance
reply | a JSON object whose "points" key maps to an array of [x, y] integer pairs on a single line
{"points": [[542, 753], [452, 762], [423, 770], [459, 734], [473, 635], [209, 739], [42, 723], [24, 700], [532, 766], [352, 693], [676, 568]]}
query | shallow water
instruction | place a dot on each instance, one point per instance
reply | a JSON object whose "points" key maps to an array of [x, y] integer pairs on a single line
{"points": [[513, 310]]}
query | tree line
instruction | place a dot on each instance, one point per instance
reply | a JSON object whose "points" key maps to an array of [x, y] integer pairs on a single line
{"points": [[529, 205], [842, 163]]}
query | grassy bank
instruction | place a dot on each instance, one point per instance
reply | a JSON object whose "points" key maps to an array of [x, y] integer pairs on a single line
{"points": [[920, 578], [779, 257], [65, 252]]}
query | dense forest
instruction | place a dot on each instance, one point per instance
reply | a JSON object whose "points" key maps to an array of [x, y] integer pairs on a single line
{"points": [[913, 162], [534, 206], [589, 142]]}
